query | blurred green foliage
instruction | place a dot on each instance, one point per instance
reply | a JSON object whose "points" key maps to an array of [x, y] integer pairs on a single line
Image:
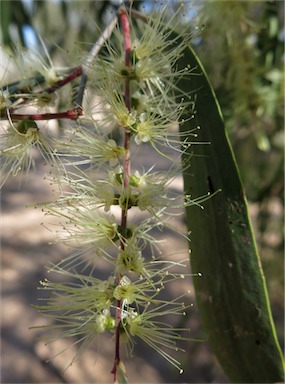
{"points": [[242, 49]]}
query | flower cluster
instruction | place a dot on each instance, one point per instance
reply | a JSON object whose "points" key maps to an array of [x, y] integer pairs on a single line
{"points": [[17, 144], [135, 80]]}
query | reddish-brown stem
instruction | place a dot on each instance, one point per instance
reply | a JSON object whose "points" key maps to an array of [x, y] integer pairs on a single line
{"points": [[78, 71], [61, 83], [127, 97], [71, 114], [126, 172]]}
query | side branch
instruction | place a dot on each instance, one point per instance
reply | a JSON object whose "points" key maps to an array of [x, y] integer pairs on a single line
{"points": [[71, 114], [61, 83]]}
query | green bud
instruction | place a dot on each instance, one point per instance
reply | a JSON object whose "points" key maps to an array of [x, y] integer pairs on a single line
{"points": [[25, 125]]}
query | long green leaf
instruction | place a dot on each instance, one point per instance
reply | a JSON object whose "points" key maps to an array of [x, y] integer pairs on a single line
{"points": [[231, 294]]}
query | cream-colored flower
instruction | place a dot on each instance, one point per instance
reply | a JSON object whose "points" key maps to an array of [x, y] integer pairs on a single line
{"points": [[16, 149]]}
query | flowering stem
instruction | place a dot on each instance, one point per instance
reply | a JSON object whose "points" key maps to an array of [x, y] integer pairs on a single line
{"points": [[138, 92], [127, 46], [126, 173]]}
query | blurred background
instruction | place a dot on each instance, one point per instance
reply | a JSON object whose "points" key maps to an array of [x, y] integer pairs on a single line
{"points": [[241, 45]]}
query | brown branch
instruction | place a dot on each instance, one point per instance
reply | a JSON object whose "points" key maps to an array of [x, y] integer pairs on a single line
{"points": [[76, 73], [71, 114]]}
